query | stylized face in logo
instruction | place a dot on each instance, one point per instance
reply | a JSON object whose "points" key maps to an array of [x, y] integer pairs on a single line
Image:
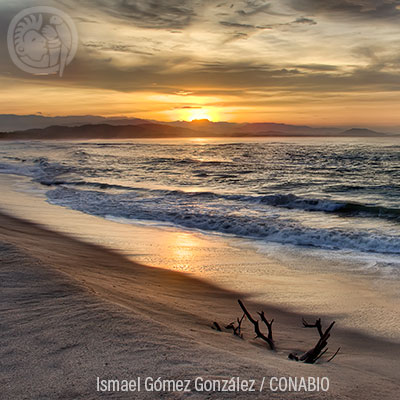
{"points": [[42, 40], [33, 46]]}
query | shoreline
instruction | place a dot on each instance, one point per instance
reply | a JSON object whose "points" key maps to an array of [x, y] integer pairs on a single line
{"points": [[186, 307], [289, 279]]}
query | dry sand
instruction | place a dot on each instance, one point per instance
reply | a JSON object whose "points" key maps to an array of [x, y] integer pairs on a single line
{"points": [[72, 311]]}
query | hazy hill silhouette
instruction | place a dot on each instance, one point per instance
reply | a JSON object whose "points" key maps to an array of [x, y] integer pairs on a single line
{"points": [[197, 128]]}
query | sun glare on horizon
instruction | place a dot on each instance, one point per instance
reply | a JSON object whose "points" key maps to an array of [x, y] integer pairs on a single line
{"points": [[192, 114]]}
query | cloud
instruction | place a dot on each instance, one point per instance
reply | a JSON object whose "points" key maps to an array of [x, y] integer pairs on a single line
{"points": [[303, 20], [151, 14], [317, 67], [250, 8], [86, 20], [115, 47], [188, 108], [254, 7], [237, 25], [226, 78], [254, 51], [361, 8], [298, 21]]}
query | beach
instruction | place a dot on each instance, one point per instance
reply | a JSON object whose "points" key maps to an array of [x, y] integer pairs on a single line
{"points": [[73, 311], [200, 200]]}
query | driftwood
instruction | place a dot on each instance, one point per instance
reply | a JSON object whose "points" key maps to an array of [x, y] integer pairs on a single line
{"points": [[309, 357], [256, 324], [236, 329], [314, 354], [317, 325], [216, 326]]}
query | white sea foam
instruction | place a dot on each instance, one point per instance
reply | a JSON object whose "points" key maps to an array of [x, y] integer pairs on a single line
{"points": [[191, 213]]}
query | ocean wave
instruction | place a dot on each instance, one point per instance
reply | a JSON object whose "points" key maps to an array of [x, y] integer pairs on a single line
{"points": [[55, 174], [287, 201], [292, 201], [222, 218], [40, 170], [21, 170]]}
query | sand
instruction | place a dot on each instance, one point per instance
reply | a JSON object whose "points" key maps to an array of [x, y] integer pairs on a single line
{"points": [[73, 311]]}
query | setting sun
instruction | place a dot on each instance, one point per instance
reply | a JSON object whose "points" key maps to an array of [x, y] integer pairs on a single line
{"points": [[191, 114]]}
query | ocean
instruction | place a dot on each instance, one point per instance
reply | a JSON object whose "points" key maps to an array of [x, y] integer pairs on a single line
{"points": [[333, 195]]}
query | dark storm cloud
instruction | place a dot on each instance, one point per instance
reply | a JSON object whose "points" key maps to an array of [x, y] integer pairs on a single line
{"points": [[362, 8]]}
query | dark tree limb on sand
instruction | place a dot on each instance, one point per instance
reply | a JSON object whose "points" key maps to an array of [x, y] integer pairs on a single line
{"points": [[236, 329], [317, 325], [314, 354], [216, 326], [336, 352], [256, 324], [310, 357]]}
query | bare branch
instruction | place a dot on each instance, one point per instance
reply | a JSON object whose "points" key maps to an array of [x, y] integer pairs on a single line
{"points": [[216, 326], [337, 351], [257, 330], [317, 325], [236, 329], [314, 354], [268, 324], [320, 355]]}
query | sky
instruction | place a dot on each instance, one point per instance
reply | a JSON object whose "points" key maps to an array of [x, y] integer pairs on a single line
{"points": [[315, 62]]}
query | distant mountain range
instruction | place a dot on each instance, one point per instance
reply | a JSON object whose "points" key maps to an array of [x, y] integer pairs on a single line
{"points": [[94, 127], [12, 122]]}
